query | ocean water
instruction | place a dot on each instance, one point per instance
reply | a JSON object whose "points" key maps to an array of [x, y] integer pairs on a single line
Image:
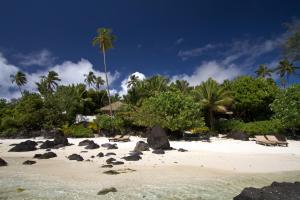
{"points": [[222, 188]]}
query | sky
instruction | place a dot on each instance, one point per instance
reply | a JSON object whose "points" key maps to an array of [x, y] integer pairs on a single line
{"points": [[190, 39]]}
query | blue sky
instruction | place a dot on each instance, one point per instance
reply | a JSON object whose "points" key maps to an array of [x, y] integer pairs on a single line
{"points": [[189, 39]]}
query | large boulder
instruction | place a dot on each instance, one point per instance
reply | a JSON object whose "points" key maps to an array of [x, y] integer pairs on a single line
{"points": [[60, 138], [92, 145], [75, 157], [141, 146], [28, 145], [276, 191], [45, 155], [2, 162], [238, 136], [132, 157], [158, 138], [85, 142], [109, 146], [47, 144]]}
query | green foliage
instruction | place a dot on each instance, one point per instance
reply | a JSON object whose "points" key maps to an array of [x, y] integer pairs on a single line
{"points": [[252, 97], [286, 106], [251, 128], [171, 110], [106, 122], [77, 131]]}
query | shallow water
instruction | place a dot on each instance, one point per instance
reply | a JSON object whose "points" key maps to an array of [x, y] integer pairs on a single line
{"points": [[222, 188]]}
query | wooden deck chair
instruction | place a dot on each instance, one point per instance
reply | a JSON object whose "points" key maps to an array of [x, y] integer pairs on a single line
{"points": [[274, 139]]}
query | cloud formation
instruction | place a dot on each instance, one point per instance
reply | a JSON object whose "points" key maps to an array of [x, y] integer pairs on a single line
{"points": [[69, 73], [39, 58]]}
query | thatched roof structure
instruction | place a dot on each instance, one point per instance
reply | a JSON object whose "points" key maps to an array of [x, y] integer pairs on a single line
{"points": [[115, 106]]}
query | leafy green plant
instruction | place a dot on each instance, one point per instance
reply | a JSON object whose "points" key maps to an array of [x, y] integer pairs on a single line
{"points": [[77, 131], [105, 122]]}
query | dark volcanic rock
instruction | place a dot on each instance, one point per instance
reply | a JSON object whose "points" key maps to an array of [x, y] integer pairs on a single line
{"points": [[47, 144], [132, 157], [2, 162], [182, 150], [107, 190], [92, 156], [60, 138], [276, 191], [107, 166], [85, 142], [111, 172], [109, 146], [29, 162], [158, 138], [141, 146], [117, 163], [28, 145], [110, 160], [110, 154], [100, 155], [75, 157], [158, 151], [238, 136], [45, 155], [92, 145], [83, 151]]}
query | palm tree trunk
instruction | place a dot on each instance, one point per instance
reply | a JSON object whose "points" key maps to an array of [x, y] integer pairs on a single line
{"points": [[107, 85], [20, 90]]}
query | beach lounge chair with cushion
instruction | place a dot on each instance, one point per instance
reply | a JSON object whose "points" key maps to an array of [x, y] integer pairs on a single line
{"points": [[125, 138], [278, 142], [260, 139], [114, 139]]}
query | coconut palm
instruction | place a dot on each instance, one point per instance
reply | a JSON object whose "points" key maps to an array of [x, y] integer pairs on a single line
{"points": [[263, 71], [181, 85], [50, 81], [285, 69], [19, 79], [133, 80], [104, 40], [98, 82], [214, 98], [89, 78]]}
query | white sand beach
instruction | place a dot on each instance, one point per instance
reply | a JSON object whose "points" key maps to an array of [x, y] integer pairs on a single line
{"points": [[215, 160]]}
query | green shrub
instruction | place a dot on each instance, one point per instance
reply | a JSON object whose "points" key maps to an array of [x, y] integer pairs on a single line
{"points": [[77, 131], [251, 128], [105, 122], [9, 132]]}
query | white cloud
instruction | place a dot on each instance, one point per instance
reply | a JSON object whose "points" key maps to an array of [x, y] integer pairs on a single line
{"points": [[124, 87], [69, 73], [209, 69], [196, 52], [40, 58]]}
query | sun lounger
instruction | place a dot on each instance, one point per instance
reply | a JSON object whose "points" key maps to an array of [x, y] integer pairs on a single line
{"points": [[278, 142], [114, 139], [260, 139], [125, 138]]}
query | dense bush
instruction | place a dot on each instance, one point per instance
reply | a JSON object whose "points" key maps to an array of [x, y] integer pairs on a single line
{"points": [[286, 107], [251, 128], [108, 123], [77, 131]]}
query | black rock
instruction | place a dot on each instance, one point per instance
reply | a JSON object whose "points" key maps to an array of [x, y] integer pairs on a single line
{"points": [[158, 151], [238, 136], [48, 150], [141, 146], [75, 157], [110, 154], [111, 172], [109, 146], [92, 145], [60, 138], [182, 150], [110, 160], [29, 162], [107, 166], [117, 163], [28, 145], [133, 157], [135, 153], [47, 144], [92, 156], [276, 191], [85, 142], [2, 162], [100, 155], [83, 151], [45, 155], [107, 190], [158, 138], [14, 144]]}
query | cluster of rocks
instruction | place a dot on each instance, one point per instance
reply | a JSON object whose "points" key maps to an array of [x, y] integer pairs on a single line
{"points": [[89, 144], [60, 140], [276, 191]]}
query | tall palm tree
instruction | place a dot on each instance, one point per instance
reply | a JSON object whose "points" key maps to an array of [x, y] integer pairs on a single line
{"points": [[98, 82], [20, 79], [263, 71], [104, 40], [181, 85], [89, 78], [132, 81], [214, 98], [51, 80], [285, 69]]}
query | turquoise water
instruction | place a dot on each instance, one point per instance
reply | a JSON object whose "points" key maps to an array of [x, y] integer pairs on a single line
{"points": [[203, 189]]}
